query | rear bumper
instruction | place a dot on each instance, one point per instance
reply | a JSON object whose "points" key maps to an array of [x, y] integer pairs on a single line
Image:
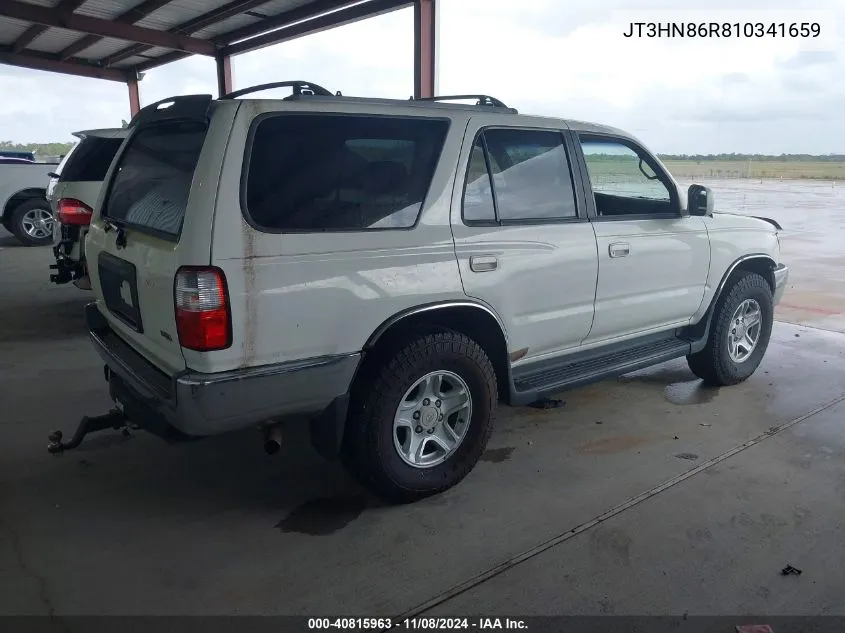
{"points": [[197, 404], [781, 274]]}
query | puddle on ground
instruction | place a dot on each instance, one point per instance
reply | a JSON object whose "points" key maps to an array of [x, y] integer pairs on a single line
{"points": [[690, 392], [497, 455], [321, 517], [612, 445]]}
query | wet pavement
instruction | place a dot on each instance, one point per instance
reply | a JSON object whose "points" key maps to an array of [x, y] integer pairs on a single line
{"points": [[649, 494], [812, 214]]}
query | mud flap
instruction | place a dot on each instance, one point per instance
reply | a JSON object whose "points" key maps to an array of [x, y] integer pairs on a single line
{"points": [[327, 428]]}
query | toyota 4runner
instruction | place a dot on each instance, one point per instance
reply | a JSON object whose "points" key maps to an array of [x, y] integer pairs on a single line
{"points": [[390, 270]]}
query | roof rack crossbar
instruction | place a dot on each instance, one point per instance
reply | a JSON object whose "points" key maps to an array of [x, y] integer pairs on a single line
{"points": [[482, 100], [299, 88]]}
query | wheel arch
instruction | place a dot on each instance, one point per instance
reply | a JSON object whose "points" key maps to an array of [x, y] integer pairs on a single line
{"points": [[16, 199], [760, 263], [473, 319]]}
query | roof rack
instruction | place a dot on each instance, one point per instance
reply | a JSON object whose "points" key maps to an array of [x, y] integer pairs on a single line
{"points": [[481, 100], [299, 88]]}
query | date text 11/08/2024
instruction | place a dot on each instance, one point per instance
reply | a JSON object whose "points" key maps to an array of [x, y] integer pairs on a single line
{"points": [[723, 29], [416, 624]]}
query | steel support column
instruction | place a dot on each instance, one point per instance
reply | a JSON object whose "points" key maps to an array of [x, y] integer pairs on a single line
{"points": [[224, 74], [134, 97], [425, 48]]}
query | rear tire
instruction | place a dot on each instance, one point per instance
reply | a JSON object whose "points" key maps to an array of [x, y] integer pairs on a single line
{"points": [[32, 222], [376, 440], [722, 362]]}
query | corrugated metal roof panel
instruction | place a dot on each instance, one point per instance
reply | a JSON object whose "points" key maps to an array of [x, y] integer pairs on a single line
{"points": [[103, 48], [53, 40], [106, 9], [276, 7], [10, 30], [156, 51], [226, 25], [179, 11], [130, 62]]}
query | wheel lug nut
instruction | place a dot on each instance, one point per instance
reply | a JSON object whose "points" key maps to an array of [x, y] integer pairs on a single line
{"points": [[418, 429], [440, 417], [416, 415], [437, 403], [430, 431]]}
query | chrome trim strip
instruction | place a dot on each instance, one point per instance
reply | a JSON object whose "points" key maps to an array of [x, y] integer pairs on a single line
{"points": [[429, 308]]}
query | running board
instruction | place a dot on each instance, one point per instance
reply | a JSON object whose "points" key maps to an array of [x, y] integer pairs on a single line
{"points": [[537, 380]]}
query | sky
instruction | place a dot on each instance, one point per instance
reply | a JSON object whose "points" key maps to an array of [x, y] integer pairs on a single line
{"points": [[559, 58]]}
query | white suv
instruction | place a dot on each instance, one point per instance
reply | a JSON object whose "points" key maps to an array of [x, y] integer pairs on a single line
{"points": [[391, 270]]}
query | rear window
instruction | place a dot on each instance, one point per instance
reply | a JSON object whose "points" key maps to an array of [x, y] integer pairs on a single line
{"points": [[323, 172], [153, 179], [89, 160]]}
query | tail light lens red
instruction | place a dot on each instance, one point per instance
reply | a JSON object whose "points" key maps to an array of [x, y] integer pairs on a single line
{"points": [[203, 320], [74, 212]]}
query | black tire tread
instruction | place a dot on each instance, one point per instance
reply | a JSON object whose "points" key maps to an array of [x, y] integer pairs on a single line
{"points": [[712, 364], [361, 452], [16, 228]]}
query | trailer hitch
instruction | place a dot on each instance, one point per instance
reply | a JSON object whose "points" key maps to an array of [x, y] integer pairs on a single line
{"points": [[114, 419]]}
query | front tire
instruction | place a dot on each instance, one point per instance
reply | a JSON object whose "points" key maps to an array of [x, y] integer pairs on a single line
{"points": [[424, 419], [32, 222], [739, 333]]}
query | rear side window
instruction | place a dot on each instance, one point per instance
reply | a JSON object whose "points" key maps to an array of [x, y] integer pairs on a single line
{"points": [[90, 160], [153, 179], [323, 172], [519, 175]]}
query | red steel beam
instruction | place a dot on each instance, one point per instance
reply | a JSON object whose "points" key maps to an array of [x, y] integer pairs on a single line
{"points": [[317, 24], [35, 30], [133, 15], [134, 96], [425, 44], [224, 75], [191, 26], [107, 28], [40, 61]]}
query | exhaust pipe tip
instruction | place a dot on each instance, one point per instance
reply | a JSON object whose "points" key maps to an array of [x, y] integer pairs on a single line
{"points": [[273, 440]]}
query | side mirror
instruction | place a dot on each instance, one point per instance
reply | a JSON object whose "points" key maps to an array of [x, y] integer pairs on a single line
{"points": [[699, 200]]}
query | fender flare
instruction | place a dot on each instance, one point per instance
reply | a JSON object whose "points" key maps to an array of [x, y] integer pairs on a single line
{"points": [[699, 332]]}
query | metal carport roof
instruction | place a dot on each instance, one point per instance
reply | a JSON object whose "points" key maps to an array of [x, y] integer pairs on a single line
{"points": [[120, 39]]}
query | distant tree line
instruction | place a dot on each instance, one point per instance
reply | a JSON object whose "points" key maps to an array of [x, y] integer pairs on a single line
{"points": [[40, 149], [788, 158]]}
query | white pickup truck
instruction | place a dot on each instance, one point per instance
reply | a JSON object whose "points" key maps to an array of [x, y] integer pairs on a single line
{"points": [[24, 210]]}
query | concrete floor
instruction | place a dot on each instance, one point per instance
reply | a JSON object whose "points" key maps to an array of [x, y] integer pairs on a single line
{"points": [[644, 495]]}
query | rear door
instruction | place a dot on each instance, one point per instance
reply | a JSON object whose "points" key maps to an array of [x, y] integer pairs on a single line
{"points": [[82, 171], [523, 241], [143, 231]]}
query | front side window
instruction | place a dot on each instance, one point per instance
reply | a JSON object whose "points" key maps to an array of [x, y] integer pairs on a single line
{"points": [[529, 173], [623, 182], [324, 172]]}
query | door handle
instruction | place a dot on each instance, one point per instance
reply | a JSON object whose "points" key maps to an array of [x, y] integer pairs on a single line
{"points": [[619, 249], [483, 263]]}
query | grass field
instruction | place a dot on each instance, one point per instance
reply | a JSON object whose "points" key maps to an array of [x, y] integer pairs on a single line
{"points": [[815, 170]]}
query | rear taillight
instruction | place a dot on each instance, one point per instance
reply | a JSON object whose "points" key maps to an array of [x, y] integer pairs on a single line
{"points": [[74, 212], [202, 309]]}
